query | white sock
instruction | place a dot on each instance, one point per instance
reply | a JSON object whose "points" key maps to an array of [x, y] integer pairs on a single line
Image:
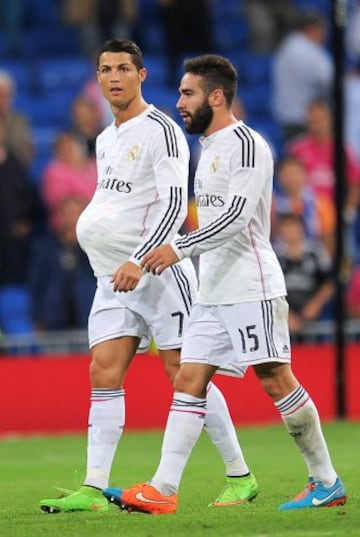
{"points": [[184, 425], [301, 419], [106, 423], [221, 430]]}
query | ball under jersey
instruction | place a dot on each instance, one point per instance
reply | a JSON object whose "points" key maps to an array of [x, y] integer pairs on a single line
{"points": [[233, 190], [141, 195]]}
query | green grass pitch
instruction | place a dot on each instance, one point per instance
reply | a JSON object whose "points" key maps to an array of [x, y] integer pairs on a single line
{"points": [[31, 468]]}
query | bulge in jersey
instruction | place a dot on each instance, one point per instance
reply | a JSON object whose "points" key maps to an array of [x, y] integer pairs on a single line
{"points": [[132, 161]]}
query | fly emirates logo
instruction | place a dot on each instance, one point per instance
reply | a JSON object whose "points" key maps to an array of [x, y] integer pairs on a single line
{"points": [[209, 200], [205, 199], [113, 183]]}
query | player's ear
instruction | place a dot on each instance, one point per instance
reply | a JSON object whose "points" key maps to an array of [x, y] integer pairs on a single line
{"points": [[142, 74], [216, 97]]}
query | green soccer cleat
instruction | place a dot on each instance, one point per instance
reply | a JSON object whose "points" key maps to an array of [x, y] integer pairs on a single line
{"points": [[84, 499], [237, 490]]}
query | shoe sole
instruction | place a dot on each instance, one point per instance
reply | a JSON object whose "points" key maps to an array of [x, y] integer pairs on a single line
{"points": [[338, 501], [238, 502], [49, 510], [115, 501], [54, 510]]}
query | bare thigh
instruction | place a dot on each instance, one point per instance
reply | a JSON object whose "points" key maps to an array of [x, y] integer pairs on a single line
{"points": [[110, 361], [171, 360]]}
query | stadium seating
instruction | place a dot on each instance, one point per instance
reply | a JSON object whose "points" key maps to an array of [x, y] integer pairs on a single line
{"points": [[53, 71]]}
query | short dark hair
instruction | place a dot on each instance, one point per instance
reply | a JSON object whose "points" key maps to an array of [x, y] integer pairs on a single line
{"points": [[291, 218], [309, 18], [216, 71], [123, 45]]}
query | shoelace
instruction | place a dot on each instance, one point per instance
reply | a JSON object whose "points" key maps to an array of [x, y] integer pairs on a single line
{"points": [[306, 491]]}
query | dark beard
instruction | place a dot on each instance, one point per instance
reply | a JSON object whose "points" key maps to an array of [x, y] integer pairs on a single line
{"points": [[200, 120]]}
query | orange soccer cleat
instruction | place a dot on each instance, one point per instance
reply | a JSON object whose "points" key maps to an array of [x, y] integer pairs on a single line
{"points": [[146, 499]]}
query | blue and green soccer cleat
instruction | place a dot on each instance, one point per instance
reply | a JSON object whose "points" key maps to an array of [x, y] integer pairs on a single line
{"points": [[84, 499], [317, 495], [113, 495]]}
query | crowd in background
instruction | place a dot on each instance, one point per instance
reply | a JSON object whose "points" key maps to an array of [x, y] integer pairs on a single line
{"points": [[45, 280]]}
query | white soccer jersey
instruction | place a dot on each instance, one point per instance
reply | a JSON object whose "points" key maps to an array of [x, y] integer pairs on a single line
{"points": [[233, 189], [141, 195]]}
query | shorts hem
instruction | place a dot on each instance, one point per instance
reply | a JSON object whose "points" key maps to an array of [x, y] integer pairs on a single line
{"points": [[109, 337], [168, 347], [229, 367]]}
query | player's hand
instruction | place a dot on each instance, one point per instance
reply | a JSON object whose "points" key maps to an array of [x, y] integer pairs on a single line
{"points": [[127, 277], [159, 259]]}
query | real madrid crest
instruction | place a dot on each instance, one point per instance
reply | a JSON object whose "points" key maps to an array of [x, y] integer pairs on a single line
{"points": [[133, 153], [214, 165]]}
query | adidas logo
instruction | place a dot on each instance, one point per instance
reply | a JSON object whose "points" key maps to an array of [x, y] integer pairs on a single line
{"points": [[286, 348]]}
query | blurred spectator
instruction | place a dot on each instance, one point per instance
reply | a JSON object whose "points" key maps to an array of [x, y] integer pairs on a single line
{"points": [[269, 21], [352, 297], [99, 20], [315, 149], [61, 281], [92, 90], [17, 130], [16, 220], [70, 173], [86, 123], [188, 29], [292, 195], [307, 272], [353, 31], [12, 24], [302, 72], [352, 108]]}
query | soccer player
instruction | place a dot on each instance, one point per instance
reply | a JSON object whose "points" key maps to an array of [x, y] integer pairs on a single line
{"points": [[140, 202], [241, 314]]}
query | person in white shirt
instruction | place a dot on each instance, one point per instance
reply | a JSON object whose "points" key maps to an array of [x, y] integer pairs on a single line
{"points": [[240, 318], [140, 202], [302, 72]]}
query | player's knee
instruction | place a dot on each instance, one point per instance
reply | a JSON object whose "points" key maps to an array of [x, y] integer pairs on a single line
{"points": [[189, 384], [104, 373], [277, 380]]}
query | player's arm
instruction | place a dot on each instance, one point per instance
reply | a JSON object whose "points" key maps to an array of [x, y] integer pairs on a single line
{"points": [[170, 155], [245, 188]]}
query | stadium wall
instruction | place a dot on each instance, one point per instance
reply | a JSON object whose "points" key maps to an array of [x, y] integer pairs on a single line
{"points": [[50, 394]]}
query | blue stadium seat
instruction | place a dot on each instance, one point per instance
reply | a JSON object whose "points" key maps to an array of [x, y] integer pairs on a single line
{"points": [[44, 138], [40, 13], [50, 109], [50, 41], [256, 99], [15, 310], [230, 35], [63, 72], [324, 6], [152, 38], [254, 68], [163, 98], [21, 71], [156, 67]]}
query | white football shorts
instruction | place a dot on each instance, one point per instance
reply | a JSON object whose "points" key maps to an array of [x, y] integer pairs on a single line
{"points": [[236, 336], [159, 307]]}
